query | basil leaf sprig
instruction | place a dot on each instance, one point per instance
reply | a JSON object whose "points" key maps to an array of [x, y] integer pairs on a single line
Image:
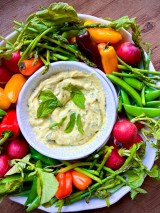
{"points": [[58, 124], [77, 95], [74, 120], [48, 103]]}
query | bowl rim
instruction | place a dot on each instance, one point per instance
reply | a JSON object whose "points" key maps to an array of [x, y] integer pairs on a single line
{"points": [[60, 152]]}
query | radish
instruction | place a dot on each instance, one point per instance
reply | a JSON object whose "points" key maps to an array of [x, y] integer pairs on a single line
{"points": [[137, 139], [115, 160], [124, 131], [18, 149], [12, 63], [5, 75], [4, 165], [129, 53], [139, 125]]}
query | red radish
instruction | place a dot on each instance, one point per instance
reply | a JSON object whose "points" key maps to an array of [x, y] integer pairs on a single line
{"points": [[139, 125], [4, 165], [12, 63], [18, 148], [113, 142], [5, 75], [138, 139], [115, 161], [129, 53], [124, 131]]}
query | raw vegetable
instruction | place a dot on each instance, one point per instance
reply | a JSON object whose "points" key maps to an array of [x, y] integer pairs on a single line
{"points": [[14, 86], [104, 35], [124, 131], [89, 48], [108, 58], [29, 66], [17, 148], [12, 63], [80, 181], [65, 185], [2, 113], [4, 165], [115, 160], [129, 53], [5, 75], [138, 139], [9, 128], [4, 101]]}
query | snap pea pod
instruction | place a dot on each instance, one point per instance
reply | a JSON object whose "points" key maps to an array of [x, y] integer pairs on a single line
{"points": [[153, 104], [132, 92], [34, 205], [120, 103], [125, 100], [152, 95], [137, 111], [133, 82]]}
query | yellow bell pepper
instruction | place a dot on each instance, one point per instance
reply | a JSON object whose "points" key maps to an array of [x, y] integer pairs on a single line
{"points": [[108, 57], [100, 35], [4, 101], [14, 86]]}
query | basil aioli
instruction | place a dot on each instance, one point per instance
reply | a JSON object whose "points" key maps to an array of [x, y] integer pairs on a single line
{"points": [[88, 120]]}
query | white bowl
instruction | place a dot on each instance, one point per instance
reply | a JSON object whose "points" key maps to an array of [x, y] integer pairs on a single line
{"points": [[65, 152]]}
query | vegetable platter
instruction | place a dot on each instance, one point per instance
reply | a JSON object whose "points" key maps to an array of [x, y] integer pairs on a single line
{"points": [[35, 180]]}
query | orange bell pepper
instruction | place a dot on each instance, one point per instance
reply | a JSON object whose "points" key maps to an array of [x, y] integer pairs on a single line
{"points": [[108, 57], [65, 185], [80, 181], [4, 101], [100, 35], [27, 67], [14, 86]]}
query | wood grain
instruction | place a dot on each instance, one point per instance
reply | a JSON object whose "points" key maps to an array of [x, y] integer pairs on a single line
{"points": [[148, 16]]}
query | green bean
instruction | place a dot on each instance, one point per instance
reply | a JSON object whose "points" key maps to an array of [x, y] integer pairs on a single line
{"points": [[120, 103], [34, 205], [143, 96], [132, 92], [137, 111], [152, 95], [33, 192]]}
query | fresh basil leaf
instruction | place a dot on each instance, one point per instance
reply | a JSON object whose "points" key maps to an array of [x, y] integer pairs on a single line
{"points": [[48, 103], [79, 124], [71, 123], [58, 123], [46, 95], [77, 95]]}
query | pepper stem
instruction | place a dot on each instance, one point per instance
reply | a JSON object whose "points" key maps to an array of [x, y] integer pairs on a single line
{"points": [[6, 135]]}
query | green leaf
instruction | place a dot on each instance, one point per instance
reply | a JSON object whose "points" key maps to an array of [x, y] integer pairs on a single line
{"points": [[135, 177], [71, 123], [154, 172], [49, 185], [48, 103], [136, 191], [76, 95], [46, 95], [79, 124], [58, 123], [19, 166]]}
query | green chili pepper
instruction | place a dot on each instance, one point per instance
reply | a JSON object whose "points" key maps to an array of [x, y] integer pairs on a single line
{"points": [[132, 92], [152, 95], [137, 111], [153, 104], [125, 100], [38, 156]]}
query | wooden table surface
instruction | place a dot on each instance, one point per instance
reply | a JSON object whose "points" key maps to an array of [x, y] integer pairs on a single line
{"points": [[148, 17]]}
